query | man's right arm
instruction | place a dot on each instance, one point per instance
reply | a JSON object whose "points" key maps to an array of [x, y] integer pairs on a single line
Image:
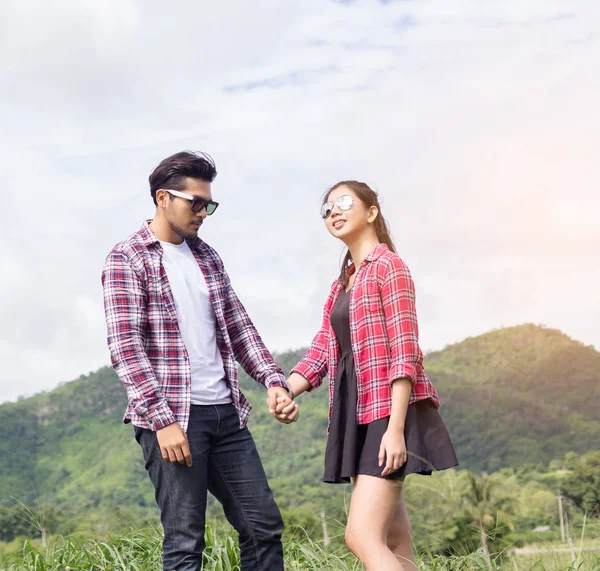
{"points": [[125, 298]]}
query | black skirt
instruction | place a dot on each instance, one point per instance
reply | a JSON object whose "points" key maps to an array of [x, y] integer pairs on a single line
{"points": [[353, 448]]}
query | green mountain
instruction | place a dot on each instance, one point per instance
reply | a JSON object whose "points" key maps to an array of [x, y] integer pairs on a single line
{"points": [[519, 395]]}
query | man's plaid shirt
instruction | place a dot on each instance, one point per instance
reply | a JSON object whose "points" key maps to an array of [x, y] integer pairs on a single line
{"points": [[146, 347], [384, 333]]}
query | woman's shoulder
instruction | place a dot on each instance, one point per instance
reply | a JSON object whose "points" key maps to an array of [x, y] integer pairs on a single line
{"points": [[389, 261]]}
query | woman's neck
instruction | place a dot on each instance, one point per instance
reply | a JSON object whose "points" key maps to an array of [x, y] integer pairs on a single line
{"points": [[360, 249]]}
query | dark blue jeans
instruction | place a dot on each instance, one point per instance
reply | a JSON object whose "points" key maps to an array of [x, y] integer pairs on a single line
{"points": [[226, 463]]}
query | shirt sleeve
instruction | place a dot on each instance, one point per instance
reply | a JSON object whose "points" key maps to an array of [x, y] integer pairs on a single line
{"points": [[248, 347], [398, 299], [125, 299], [314, 365]]}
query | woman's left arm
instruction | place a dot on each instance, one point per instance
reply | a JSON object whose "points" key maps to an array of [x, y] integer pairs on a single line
{"points": [[392, 451], [398, 299], [399, 307]]}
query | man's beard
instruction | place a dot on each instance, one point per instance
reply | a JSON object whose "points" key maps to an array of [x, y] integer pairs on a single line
{"points": [[185, 234]]}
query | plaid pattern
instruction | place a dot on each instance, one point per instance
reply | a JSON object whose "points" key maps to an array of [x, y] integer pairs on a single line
{"points": [[146, 348], [384, 333]]}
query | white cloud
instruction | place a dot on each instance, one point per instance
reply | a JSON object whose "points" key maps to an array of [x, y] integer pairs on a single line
{"points": [[476, 121]]}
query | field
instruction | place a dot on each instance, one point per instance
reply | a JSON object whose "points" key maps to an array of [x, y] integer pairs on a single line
{"points": [[140, 551]]}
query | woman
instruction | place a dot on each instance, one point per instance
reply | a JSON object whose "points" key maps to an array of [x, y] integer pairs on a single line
{"points": [[383, 418]]}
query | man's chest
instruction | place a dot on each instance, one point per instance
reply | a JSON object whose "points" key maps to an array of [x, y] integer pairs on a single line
{"points": [[185, 282]]}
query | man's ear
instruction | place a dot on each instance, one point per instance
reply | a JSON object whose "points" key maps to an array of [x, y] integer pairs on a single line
{"points": [[162, 196]]}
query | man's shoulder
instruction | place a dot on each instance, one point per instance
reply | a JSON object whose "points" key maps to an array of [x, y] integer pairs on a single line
{"points": [[132, 250], [128, 246]]}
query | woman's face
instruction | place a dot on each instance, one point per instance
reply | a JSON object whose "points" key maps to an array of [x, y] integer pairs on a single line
{"points": [[349, 217]]}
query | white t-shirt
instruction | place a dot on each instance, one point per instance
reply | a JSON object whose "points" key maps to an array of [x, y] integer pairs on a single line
{"points": [[197, 323]]}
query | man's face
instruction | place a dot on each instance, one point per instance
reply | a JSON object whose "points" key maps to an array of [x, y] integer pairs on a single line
{"points": [[178, 211]]}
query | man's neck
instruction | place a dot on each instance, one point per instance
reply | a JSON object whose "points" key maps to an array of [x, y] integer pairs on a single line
{"points": [[163, 231]]}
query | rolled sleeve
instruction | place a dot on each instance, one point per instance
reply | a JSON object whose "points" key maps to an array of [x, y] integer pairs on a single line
{"points": [[313, 374], [403, 371], [398, 299]]}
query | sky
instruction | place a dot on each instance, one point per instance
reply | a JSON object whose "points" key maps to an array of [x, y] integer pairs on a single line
{"points": [[475, 120]]}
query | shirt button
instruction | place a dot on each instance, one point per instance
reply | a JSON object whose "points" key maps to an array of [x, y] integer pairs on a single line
{"points": [[187, 383]]}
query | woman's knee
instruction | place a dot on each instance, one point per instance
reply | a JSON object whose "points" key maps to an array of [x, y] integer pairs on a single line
{"points": [[362, 542], [355, 540], [351, 540]]}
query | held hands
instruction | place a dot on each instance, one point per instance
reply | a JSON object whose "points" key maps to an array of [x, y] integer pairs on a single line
{"points": [[174, 445], [281, 406], [392, 450]]}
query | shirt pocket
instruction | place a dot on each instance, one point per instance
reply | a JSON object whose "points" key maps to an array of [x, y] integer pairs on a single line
{"points": [[369, 297], [370, 316]]}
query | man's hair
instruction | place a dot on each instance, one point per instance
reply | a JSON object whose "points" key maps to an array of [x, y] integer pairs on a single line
{"points": [[172, 171]]}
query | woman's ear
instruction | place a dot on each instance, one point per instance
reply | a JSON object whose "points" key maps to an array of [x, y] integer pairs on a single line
{"points": [[373, 213]]}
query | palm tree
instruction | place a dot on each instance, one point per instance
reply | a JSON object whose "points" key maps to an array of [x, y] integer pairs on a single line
{"points": [[483, 502]]}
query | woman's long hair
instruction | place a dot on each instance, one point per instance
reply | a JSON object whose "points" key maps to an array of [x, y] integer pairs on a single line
{"points": [[370, 198]]}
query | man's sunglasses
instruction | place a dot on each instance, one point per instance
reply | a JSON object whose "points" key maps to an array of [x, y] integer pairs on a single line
{"points": [[197, 203], [344, 203]]}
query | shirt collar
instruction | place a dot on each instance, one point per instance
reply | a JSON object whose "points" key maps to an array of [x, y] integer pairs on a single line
{"points": [[148, 237], [375, 253]]}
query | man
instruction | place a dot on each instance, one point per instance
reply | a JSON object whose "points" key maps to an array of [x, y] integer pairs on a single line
{"points": [[175, 331]]}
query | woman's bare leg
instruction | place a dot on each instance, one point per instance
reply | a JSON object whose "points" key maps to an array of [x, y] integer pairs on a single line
{"points": [[373, 507], [399, 538]]}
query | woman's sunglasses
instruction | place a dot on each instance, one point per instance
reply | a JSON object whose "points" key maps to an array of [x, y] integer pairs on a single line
{"points": [[197, 204], [344, 203]]}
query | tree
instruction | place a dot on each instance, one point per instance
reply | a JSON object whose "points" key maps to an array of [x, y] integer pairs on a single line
{"points": [[14, 523], [582, 486], [486, 506]]}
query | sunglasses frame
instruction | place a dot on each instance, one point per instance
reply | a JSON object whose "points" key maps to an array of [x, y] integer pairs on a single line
{"points": [[326, 212], [194, 200]]}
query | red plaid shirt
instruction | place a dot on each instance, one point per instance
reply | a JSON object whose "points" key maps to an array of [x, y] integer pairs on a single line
{"points": [[146, 347], [384, 334]]}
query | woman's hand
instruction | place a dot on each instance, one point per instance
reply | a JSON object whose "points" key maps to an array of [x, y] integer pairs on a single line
{"points": [[392, 451], [281, 406]]}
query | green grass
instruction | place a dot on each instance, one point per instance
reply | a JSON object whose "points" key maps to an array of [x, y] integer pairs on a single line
{"points": [[140, 550], [587, 561], [584, 555]]}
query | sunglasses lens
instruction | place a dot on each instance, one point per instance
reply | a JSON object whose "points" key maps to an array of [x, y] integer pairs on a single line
{"points": [[211, 207], [198, 205], [326, 210], [345, 202]]}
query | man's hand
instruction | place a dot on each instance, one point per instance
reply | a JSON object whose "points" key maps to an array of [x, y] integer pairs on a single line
{"points": [[174, 445], [281, 406]]}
